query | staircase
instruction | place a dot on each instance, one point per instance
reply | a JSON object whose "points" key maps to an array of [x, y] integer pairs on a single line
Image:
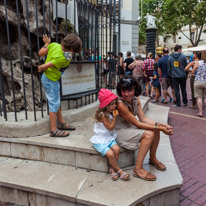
{"points": [[45, 171]]}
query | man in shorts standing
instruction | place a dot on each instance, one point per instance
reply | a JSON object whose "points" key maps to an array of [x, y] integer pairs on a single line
{"points": [[164, 77]]}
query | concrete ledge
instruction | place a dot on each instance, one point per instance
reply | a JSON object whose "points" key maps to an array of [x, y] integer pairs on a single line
{"points": [[64, 152], [69, 186], [31, 128]]}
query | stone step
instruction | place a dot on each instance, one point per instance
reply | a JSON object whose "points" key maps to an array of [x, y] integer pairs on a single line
{"points": [[32, 183], [26, 182], [75, 150]]}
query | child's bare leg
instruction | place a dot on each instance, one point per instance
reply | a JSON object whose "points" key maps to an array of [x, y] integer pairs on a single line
{"points": [[115, 148], [52, 117], [59, 116], [113, 155], [152, 89], [112, 160]]}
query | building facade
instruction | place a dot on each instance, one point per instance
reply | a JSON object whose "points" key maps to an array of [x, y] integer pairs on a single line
{"points": [[181, 39], [129, 36]]}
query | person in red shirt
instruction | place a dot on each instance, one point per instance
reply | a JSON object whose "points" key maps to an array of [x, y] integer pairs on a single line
{"points": [[148, 72]]}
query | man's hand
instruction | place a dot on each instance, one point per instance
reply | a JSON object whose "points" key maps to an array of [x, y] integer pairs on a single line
{"points": [[46, 39]]}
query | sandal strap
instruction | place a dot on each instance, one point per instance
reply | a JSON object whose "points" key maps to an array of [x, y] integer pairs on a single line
{"points": [[54, 132], [124, 174], [60, 133], [62, 125], [114, 174], [119, 171], [65, 126]]}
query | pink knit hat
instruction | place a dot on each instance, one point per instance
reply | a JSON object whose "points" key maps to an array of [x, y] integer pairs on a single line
{"points": [[105, 97]]}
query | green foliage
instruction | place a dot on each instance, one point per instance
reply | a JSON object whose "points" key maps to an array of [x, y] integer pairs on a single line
{"points": [[173, 15]]}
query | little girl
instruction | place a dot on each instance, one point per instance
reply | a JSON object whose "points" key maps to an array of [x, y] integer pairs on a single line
{"points": [[156, 83], [104, 138]]}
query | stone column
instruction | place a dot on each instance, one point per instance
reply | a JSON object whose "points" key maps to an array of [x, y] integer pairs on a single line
{"points": [[150, 40]]}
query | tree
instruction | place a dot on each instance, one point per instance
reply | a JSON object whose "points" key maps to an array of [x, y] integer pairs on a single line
{"points": [[173, 15]]}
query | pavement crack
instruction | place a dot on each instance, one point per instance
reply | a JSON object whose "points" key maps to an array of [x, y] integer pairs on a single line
{"points": [[81, 185]]}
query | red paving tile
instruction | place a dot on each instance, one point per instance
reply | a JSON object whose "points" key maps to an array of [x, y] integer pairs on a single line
{"points": [[189, 147], [192, 189], [201, 192], [185, 202]]}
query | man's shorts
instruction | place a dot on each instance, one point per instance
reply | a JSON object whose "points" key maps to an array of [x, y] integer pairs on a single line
{"points": [[52, 90], [104, 148], [166, 83], [200, 89]]}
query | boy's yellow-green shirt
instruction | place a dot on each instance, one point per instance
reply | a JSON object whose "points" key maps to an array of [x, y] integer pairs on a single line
{"points": [[56, 56]]}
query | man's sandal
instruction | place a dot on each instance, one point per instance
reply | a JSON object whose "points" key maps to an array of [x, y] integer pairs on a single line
{"points": [[114, 176], [125, 176], [58, 133], [65, 126]]}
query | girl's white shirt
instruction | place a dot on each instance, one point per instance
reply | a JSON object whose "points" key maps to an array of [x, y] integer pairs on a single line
{"points": [[101, 134]]}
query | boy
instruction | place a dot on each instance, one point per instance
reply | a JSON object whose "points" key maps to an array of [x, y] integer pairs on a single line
{"points": [[58, 56]]}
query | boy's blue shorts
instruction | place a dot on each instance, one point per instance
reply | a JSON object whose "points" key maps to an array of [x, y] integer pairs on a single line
{"points": [[52, 90], [103, 148]]}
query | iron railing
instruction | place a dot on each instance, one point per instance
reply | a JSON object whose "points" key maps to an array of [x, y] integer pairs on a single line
{"points": [[96, 22]]}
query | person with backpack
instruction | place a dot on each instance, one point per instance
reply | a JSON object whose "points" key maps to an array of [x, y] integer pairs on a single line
{"points": [[176, 70]]}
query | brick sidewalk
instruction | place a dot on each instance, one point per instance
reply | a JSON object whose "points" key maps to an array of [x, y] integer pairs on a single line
{"points": [[189, 148]]}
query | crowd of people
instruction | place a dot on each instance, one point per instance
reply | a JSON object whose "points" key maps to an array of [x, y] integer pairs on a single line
{"points": [[163, 75], [116, 123]]}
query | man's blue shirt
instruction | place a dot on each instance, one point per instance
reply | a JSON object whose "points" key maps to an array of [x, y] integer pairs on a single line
{"points": [[162, 63]]}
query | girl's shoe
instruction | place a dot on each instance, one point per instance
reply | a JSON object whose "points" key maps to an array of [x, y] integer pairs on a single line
{"points": [[125, 176], [171, 99], [114, 176]]}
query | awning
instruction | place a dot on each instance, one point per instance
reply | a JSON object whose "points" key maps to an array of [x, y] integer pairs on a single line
{"points": [[197, 48]]}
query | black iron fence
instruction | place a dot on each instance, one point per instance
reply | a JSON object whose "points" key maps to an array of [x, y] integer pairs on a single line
{"points": [[22, 24]]}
